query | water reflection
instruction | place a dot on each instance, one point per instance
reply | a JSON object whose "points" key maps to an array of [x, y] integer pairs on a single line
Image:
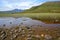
{"points": [[12, 22]]}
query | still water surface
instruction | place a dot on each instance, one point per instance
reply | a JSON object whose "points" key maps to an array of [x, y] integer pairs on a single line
{"points": [[13, 22]]}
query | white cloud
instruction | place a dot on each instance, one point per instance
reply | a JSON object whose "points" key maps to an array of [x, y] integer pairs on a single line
{"points": [[20, 4], [13, 4]]}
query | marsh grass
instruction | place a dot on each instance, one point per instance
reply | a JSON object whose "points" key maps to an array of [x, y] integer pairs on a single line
{"points": [[45, 17]]}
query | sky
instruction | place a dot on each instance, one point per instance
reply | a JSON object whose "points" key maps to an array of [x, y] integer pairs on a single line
{"points": [[6, 5]]}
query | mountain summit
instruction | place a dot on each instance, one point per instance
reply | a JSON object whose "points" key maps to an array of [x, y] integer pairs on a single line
{"points": [[17, 10]]}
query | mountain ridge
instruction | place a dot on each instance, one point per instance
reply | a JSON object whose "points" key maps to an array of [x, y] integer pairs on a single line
{"points": [[47, 7], [12, 11]]}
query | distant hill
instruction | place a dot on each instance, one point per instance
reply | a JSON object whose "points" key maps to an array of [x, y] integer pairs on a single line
{"points": [[12, 11], [47, 7], [17, 10]]}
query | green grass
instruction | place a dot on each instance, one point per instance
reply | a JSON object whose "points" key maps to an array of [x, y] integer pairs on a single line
{"points": [[48, 17]]}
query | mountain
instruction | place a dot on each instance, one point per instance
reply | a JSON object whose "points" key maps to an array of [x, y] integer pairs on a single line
{"points": [[17, 10], [12, 11], [47, 7]]}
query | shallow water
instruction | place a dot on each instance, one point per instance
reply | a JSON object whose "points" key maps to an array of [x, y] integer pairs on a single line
{"points": [[13, 22]]}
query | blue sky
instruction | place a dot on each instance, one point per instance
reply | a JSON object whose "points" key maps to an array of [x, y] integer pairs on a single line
{"points": [[20, 4]]}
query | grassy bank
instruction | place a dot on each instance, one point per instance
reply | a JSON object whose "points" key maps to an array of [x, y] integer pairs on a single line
{"points": [[45, 17]]}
